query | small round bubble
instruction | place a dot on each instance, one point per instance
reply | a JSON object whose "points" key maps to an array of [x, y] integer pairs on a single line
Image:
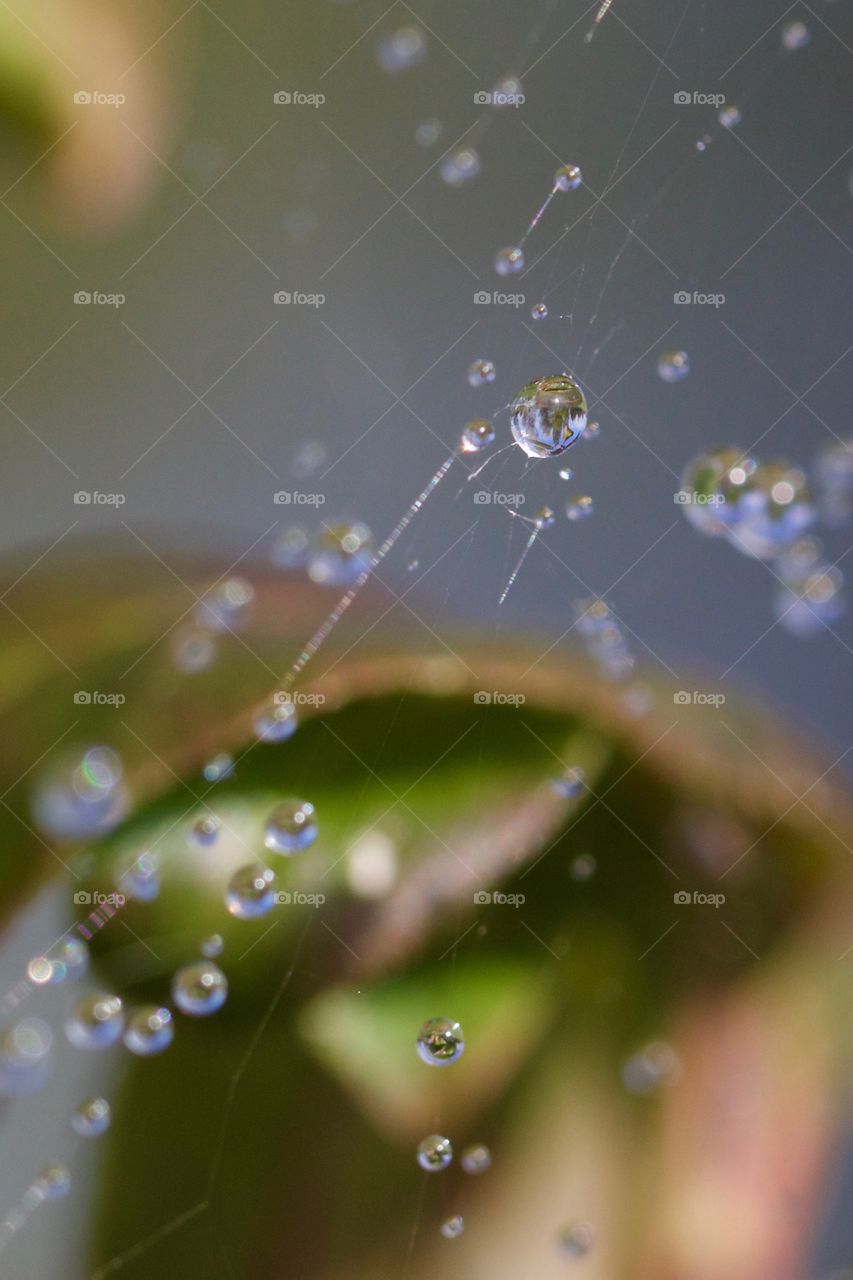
{"points": [[25, 1053], [539, 311], [251, 892], [453, 1227], [95, 1022], [673, 366], [205, 830], [53, 1182], [199, 989], [289, 548], [568, 177], [403, 49], [277, 721], [226, 607], [91, 1118], [219, 767], [592, 431], [476, 1159], [193, 649], [579, 507], [509, 261], [291, 827], [150, 1030], [340, 553], [460, 166], [440, 1041], [729, 116], [481, 373], [435, 1153], [140, 880], [548, 416], [476, 435], [795, 35], [575, 1240], [212, 946], [428, 133]]}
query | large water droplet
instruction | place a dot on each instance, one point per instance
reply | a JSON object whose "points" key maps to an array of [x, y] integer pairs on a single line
{"points": [[440, 1041], [291, 827], [199, 989]]}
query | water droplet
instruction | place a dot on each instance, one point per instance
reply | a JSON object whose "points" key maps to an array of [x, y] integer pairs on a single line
{"points": [[568, 177], [219, 768], [69, 961], [435, 1153], [539, 311], [773, 510], [226, 607], [440, 1041], [53, 1182], [575, 1240], [340, 553], [278, 720], [592, 431], [40, 970], [81, 797], [141, 881], [405, 48], [481, 373], [566, 473], [428, 133], [476, 435], [476, 1159], [544, 518], [95, 1022], [250, 892], [673, 366], [654, 1065], [453, 1227], [193, 649], [509, 261], [795, 35], [199, 989], [548, 415], [412, 566], [91, 1118], [806, 606], [460, 166], [729, 116], [212, 946], [583, 867], [289, 548], [205, 830], [580, 507], [25, 1057], [508, 92], [150, 1030], [291, 826]]}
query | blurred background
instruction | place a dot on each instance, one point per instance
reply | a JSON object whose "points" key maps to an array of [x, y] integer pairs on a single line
{"points": [[234, 267]]}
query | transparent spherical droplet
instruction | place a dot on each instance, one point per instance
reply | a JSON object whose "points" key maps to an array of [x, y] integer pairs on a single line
{"points": [[806, 606], [729, 116], [96, 1021], [91, 1118], [141, 879], [428, 133], [340, 553], [481, 373], [650, 1068], [440, 1041], [82, 797], [289, 548], [544, 518], [40, 970], [568, 177], [795, 35], [716, 488], [226, 607], [251, 892], [508, 92], [291, 826], [566, 473], [592, 431], [150, 1030], [775, 507], [53, 1182], [212, 946], [453, 1227], [579, 507], [509, 261], [25, 1053], [412, 566], [575, 1240], [435, 1153], [539, 311], [548, 415], [583, 867], [403, 49], [219, 768], [476, 435], [570, 783], [460, 166], [199, 989], [193, 649], [673, 366], [803, 555], [476, 1159], [704, 142], [68, 960], [277, 721], [205, 830]]}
